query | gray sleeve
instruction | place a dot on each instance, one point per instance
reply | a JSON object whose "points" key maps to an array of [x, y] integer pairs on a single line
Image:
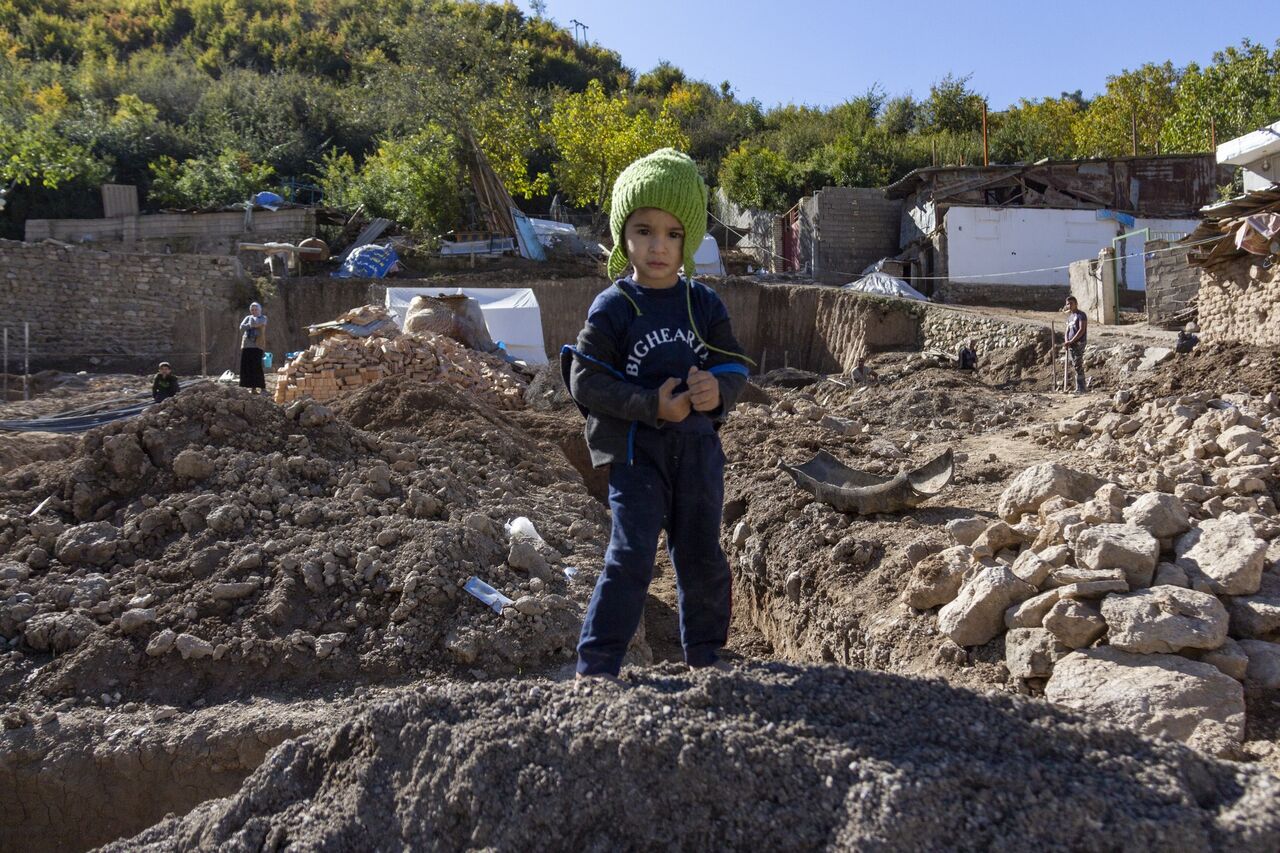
{"points": [[594, 385]]}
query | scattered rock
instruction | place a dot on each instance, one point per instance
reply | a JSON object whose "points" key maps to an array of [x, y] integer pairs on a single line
{"points": [[1263, 671], [93, 543], [192, 647], [1164, 619], [964, 531], [1119, 546], [1257, 616], [936, 579], [57, 632], [1223, 556], [1038, 483], [132, 620], [1032, 652], [1159, 514], [193, 465], [977, 613], [1076, 624]]}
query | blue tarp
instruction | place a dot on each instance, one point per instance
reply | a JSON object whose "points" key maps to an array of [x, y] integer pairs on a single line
{"points": [[368, 262]]}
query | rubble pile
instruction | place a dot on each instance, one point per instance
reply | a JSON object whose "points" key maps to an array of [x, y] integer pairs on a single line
{"points": [[769, 757], [1153, 600], [349, 359], [219, 542]]}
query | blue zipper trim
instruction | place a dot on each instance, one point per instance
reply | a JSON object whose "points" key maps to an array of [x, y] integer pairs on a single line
{"points": [[597, 362], [631, 443], [729, 368]]}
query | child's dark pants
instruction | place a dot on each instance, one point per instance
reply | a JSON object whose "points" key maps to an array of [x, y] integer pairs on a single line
{"points": [[676, 482]]}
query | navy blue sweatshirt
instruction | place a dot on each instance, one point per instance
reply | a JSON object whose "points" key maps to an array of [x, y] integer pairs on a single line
{"points": [[635, 339]]}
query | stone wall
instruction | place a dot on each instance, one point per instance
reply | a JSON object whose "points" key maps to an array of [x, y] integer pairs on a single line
{"points": [[1240, 301], [100, 311], [180, 233], [93, 310], [1172, 283], [946, 329], [1031, 297]]}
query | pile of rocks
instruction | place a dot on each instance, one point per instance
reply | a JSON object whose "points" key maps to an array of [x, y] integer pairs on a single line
{"points": [[219, 541], [1155, 605], [345, 362]]}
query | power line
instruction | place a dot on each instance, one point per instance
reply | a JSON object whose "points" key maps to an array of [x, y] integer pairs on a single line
{"points": [[1178, 247]]}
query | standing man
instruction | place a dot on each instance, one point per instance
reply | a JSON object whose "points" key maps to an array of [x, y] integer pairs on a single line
{"points": [[969, 355], [1077, 336]]}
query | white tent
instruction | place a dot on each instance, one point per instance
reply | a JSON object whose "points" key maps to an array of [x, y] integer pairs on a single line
{"points": [[707, 258], [511, 314]]}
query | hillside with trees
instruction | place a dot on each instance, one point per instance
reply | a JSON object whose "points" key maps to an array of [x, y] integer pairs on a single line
{"points": [[201, 103]]}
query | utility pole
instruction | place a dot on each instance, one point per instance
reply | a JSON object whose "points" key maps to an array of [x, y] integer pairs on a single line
{"points": [[579, 26], [1133, 115], [986, 157], [1213, 135]]}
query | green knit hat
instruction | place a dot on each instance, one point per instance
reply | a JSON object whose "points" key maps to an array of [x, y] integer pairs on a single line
{"points": [[667, 180]]}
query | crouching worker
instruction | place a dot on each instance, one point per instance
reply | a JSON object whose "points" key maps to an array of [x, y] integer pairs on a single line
{"points": [[165, 385], [655, 371]]}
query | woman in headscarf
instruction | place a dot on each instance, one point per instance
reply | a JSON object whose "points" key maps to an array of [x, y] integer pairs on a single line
{"points": [[253, 343]]}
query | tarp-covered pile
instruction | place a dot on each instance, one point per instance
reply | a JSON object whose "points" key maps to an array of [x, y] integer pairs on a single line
{"points": [[344, 362]]}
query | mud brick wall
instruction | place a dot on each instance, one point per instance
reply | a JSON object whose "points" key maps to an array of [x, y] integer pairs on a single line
{"points": [[1030, 297], [1240, 301], [1172, 283], [100, 311]]}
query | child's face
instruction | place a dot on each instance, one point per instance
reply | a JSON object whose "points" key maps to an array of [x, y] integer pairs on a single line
{"points": [[655, 246], [164, 371]]}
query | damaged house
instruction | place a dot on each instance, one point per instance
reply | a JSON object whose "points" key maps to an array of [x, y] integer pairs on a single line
{"points": [[1006, 234]]}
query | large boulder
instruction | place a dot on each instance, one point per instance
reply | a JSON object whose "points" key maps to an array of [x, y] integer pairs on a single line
{"points": [[977, 614], [1154, 695], [1119, 546], [1160, 514], [1223, 555], [93, 543], [1257, 616], [1164, 619], [1038, 483]]}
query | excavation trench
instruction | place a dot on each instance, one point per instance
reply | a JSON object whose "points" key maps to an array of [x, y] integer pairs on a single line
{"points": [[93, 776]]}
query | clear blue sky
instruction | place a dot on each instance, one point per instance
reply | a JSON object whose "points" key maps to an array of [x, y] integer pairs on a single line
{"points": [[823, 51]]}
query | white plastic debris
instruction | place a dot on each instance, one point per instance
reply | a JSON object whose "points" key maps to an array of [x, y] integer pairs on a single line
{"points": [[522, 528]]}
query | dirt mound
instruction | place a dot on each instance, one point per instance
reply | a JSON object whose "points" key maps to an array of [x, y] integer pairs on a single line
{"points": [[219, 545], [772, 757], [546, 391], [1220, 368]]}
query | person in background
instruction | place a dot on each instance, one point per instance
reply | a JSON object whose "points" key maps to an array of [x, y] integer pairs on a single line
{"points": [[1187, 339], [1077, 337], [253, 345], [863, 375], [969, 355], [165, 385]]}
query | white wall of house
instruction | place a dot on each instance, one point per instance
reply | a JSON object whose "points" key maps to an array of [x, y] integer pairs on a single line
{"points": [[989, 245]]}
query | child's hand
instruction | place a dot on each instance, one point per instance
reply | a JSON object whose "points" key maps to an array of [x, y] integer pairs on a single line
{"points": [[704, 390], [672, 408]]}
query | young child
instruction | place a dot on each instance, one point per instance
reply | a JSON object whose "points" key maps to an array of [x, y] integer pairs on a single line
{"points": [[165, 385], [655, 371]]}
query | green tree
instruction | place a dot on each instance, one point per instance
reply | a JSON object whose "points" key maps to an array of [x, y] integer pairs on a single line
{"points": [[758, 177], [1033, 130], [1145, 95], [596, 136], [952, 106], [1239, 90], [414, 181], [228, 177]]}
